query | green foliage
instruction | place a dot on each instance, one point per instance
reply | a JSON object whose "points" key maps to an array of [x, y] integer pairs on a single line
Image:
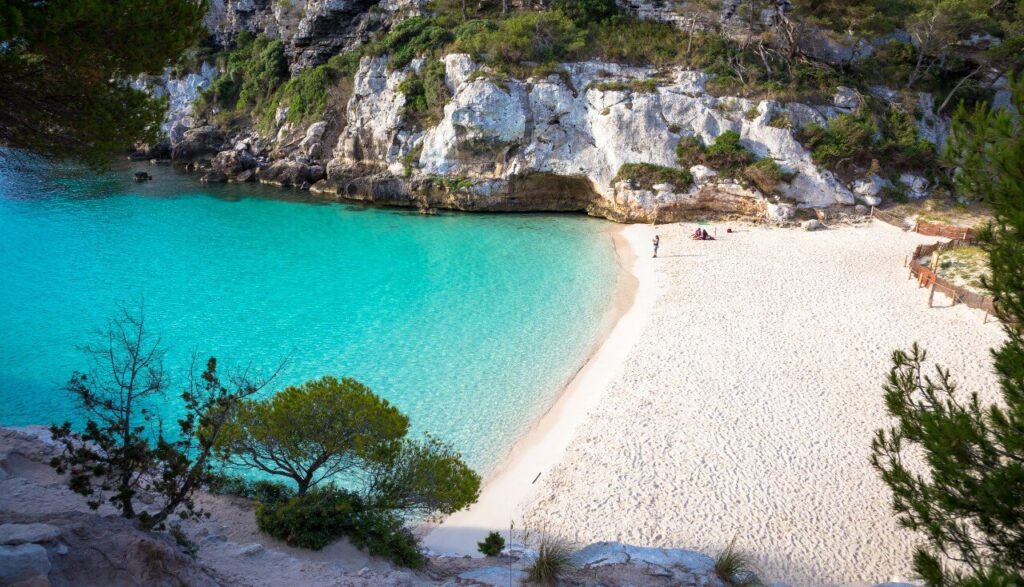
{"points": [[340, 431], [735, 568], [554, 560], [539, 37], [689, 151], [251, 73], [965, 497], [113, 460], [847, 135], [780, 120], [765, 174], [426, 93], [414, 37], [383, 534], [311, 521], [647, 175], [422, 477], [261, 490], [646, 86], [861, 16], [726, 155], [584, 12], [324, 515], [63, 64], [859, 139], [492, 545], [316, 431], [186, 544]]}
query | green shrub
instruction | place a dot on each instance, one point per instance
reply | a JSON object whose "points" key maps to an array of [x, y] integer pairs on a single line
{"points": [[765, 174], [322, 516], [726, 155], [780, 120], [584, 12], [860, 139], [846, 136], [689, 152], [383, 534], [310, 521], [647, 175], [252, 72], [261, 490], [411, 38], [426, 93], [552, 563], [524, 36], [492, 545], [735, 568], [647, 86]]}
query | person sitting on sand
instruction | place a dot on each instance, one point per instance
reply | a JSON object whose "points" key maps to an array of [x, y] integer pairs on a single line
{"points": [[697, 235], [702, 235]]}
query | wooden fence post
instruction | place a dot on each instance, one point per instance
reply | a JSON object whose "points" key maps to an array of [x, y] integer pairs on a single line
{"points": [[931, 294]]}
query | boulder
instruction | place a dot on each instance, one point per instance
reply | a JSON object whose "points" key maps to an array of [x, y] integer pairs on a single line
{"points": [[846, 98], [198, 143], [916, 186], [231, 163], [702, 174], [868, 189], [288, 173], [23, 563], [13, 534], [812, 225], [780, 212]]}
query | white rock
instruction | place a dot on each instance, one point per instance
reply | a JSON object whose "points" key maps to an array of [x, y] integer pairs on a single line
{"points": [[917, 186], [701, 173], [457, 69], [846, 98], [22, 563], [249, 549], [780, 212], [27, 533], [812, 225]]}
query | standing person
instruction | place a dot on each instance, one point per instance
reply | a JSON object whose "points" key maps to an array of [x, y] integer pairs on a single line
{"points": [[656, 242]]}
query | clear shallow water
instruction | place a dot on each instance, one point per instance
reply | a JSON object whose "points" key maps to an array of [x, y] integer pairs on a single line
{"points": [[469, 323]]}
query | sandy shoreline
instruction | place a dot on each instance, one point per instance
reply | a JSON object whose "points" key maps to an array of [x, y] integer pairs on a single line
{"points": [[513, 482], [736, 398], [746, 406]]}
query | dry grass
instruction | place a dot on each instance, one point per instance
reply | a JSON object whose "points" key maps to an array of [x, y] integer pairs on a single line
{"points": [[963, 266]]}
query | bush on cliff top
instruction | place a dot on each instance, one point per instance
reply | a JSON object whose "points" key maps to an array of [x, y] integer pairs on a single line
{"points": [[647, 175]]}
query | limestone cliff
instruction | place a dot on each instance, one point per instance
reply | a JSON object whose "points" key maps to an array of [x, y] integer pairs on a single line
{"points": [[552, 143]]}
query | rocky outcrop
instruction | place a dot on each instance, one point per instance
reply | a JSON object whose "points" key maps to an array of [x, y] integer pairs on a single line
{"points": [[312, 30], [497, 139], [198, 143]]}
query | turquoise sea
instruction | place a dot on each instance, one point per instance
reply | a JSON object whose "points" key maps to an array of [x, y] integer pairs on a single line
{"points": [[469, 323]]}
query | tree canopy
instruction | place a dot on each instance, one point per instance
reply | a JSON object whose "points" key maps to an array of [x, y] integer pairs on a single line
{"points": [[65, 67], [316, 431]]}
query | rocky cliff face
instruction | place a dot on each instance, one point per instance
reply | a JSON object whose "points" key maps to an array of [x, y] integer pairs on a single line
{"points": [[313, 30], [551, 143]]}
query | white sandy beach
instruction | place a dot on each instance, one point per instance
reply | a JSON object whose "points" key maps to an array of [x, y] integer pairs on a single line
{"points": [[737, 397]]}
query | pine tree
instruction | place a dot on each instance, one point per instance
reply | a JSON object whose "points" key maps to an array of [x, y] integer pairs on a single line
{"points": [[65, 67], [968, 501]]}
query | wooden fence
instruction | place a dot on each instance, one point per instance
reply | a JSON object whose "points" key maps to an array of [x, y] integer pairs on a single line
{"points": [[945, 231], [928, 228], [926, 277], [888, 218]]}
